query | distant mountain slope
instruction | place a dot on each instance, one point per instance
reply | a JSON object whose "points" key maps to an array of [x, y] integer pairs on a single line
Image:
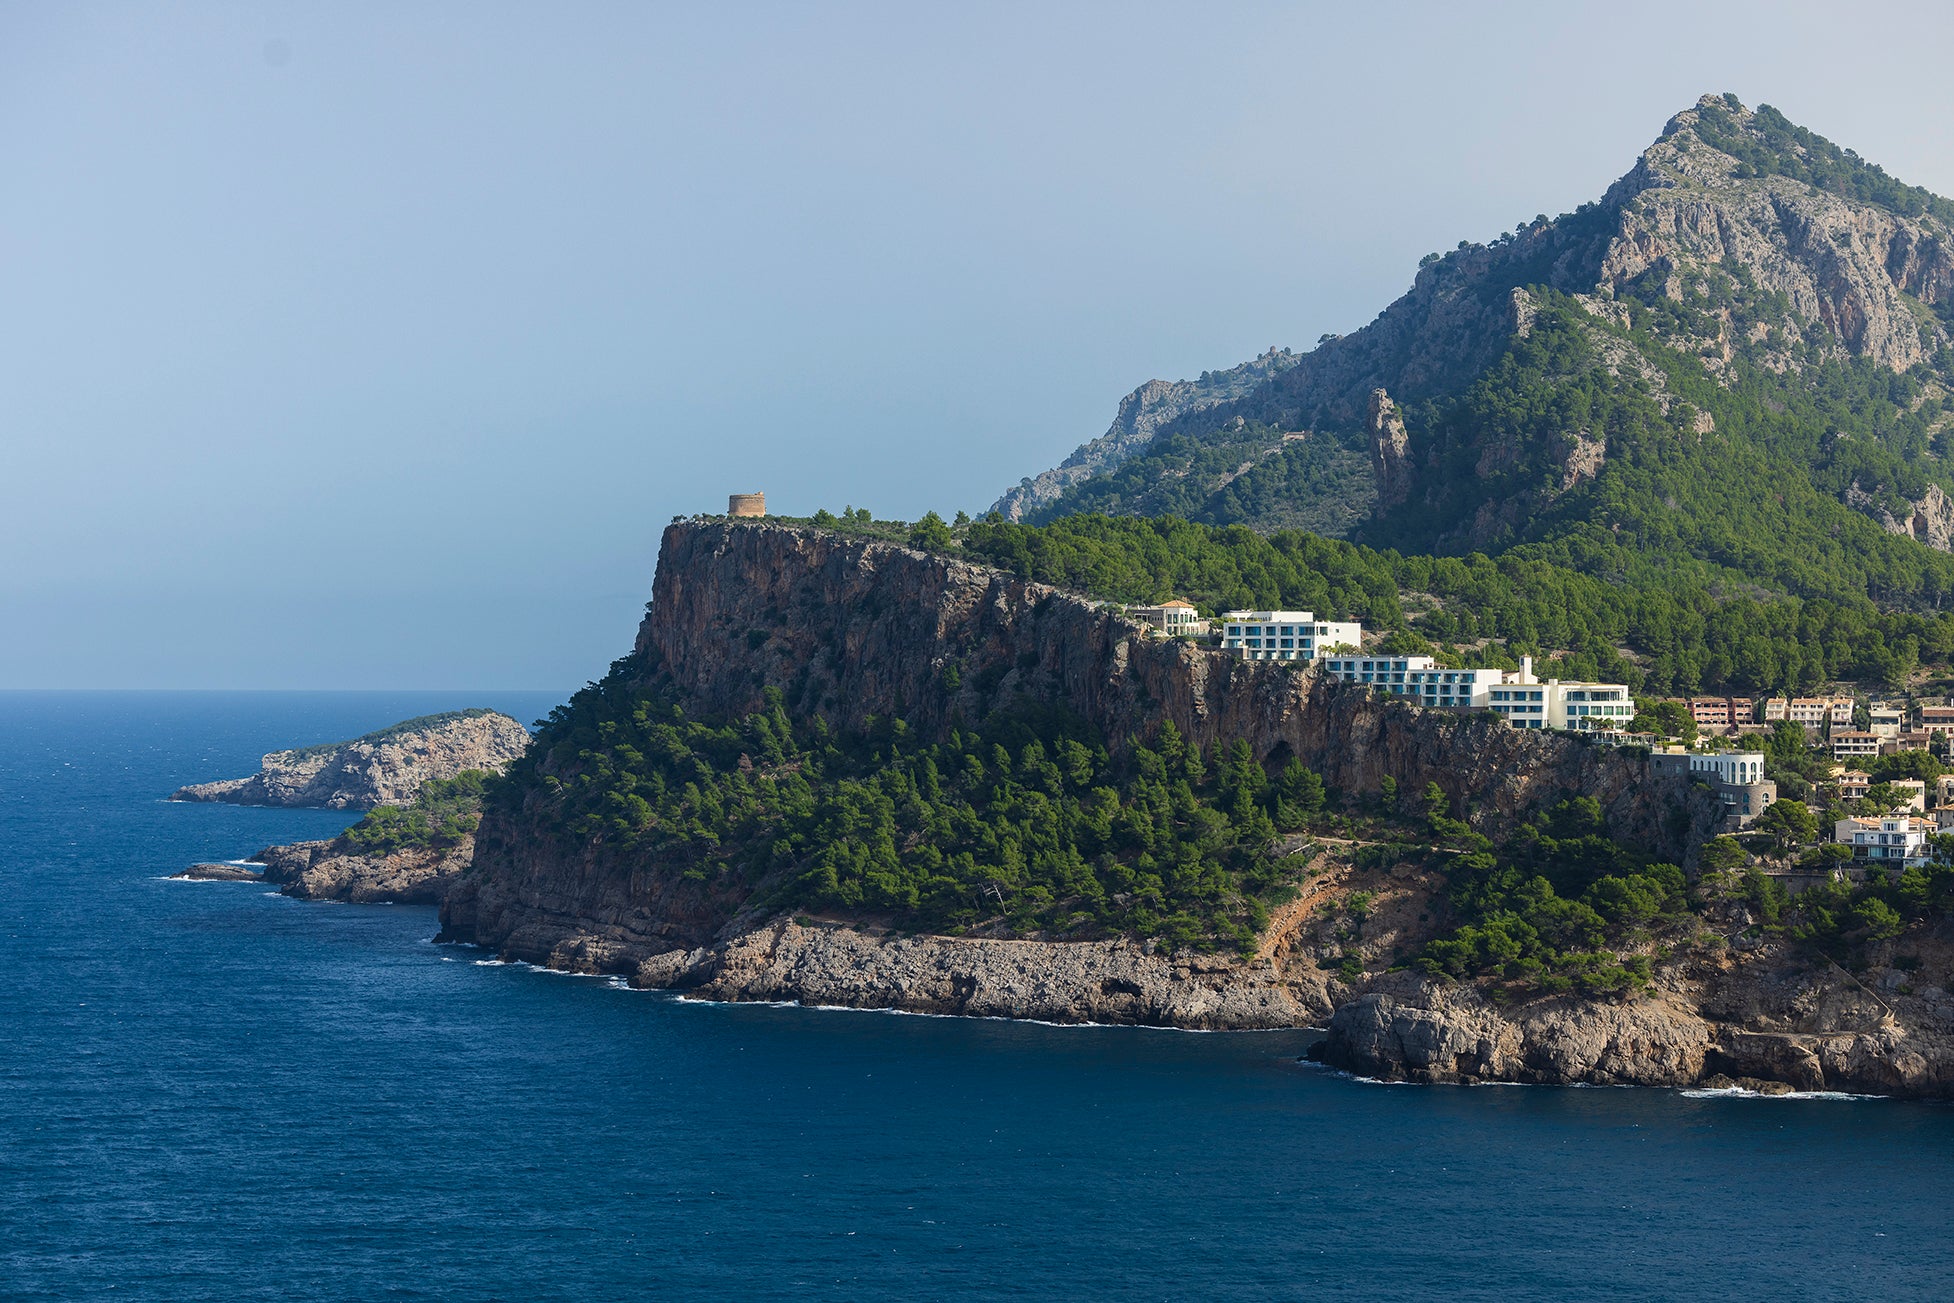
{"points": [[1142, 414], [1748, 335]]}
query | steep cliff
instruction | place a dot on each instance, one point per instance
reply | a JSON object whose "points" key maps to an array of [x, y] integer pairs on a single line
{"points": [[850, 629], [385, 767]]}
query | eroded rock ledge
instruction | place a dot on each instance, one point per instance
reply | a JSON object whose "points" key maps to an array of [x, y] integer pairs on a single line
{"points": [[1765, 1021], [330, 870], [1120, 982]]}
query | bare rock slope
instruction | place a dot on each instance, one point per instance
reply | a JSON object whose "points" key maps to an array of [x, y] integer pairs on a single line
{"points": [[386, 767]]}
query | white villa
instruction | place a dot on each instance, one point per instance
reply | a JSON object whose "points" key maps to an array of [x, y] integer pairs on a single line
{"points": [[1175, 618], [1897, 839], [1519, 698], [1286, 635]]}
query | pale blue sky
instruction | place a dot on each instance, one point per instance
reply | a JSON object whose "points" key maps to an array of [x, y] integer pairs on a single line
{"points": [[372, 345]]}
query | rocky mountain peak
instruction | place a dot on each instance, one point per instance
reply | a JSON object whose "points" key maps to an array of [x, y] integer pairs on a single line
{"points": [[1736, 234]]}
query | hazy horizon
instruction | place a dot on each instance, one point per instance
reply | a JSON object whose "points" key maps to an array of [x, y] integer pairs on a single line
{"points": [[373, 347]]}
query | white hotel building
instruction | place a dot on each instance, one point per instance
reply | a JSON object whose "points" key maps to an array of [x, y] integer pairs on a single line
{"points": [[1519, 698], [1286, 635]]}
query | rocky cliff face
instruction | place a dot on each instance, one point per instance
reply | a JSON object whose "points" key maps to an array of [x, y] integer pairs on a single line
{"points": [[1768, 1015], [332, 870], [383, 768]]}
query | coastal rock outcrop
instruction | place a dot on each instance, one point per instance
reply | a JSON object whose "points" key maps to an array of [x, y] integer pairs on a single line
{"points": [[837, 965], [386, 767], [333, 870], [1430, 1033]]}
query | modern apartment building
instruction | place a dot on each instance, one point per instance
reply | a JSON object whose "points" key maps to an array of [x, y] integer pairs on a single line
{"points": [[1286, 635], [1717, 712], [1849, 745], [1887, 721], [1898, 840], [1519, 698]]}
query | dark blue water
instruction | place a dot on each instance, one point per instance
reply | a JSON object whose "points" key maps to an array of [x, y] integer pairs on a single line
{"points": [[208, 1092]]}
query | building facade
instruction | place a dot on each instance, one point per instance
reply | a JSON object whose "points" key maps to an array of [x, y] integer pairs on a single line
{"points": [[1937, 721], [1286, 635], [1175, 618], [1849, 745], [1519, 698], [746, 504], [1896, 840], [1736, 776], [1813, 712]]}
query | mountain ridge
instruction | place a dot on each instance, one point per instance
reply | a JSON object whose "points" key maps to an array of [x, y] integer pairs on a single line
{"points": [[1738, 246]]}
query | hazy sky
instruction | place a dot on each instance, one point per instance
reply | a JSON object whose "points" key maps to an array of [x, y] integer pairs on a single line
{"points": [[372, 345]]}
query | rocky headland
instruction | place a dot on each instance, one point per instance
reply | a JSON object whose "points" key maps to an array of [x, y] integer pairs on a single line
{"points": [[854, 627], [385, 767]]}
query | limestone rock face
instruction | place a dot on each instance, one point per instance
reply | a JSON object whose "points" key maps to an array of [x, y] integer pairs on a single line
{"points": [[1932, 521], [1072, 982], [383, 768], [1390, 450], [330, 870], [1430, 1033]]}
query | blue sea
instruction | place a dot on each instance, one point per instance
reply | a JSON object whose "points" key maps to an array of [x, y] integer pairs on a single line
{"points": [[212, 1092]]}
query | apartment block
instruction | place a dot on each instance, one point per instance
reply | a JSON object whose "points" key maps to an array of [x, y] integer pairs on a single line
{"points": [[1519, 698], [1887, 721], [1937, 721], [1286, 635], [1849, 745], [1813, 712]]}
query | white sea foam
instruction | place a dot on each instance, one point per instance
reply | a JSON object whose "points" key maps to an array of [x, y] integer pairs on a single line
{"points": [[684, 998], [1742, 1092]]}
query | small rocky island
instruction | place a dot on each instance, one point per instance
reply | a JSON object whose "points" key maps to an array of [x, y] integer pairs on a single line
{"points": [[385, 767]]}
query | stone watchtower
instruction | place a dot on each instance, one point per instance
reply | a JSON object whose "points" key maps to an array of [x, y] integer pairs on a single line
{"points": [[746, 504]]}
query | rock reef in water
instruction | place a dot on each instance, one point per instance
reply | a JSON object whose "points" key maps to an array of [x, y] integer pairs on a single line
{"points": [[386, 767], [221, 873]]}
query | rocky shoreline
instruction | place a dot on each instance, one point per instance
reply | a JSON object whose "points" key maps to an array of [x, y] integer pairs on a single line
{"points": [[1769, 1020]]}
